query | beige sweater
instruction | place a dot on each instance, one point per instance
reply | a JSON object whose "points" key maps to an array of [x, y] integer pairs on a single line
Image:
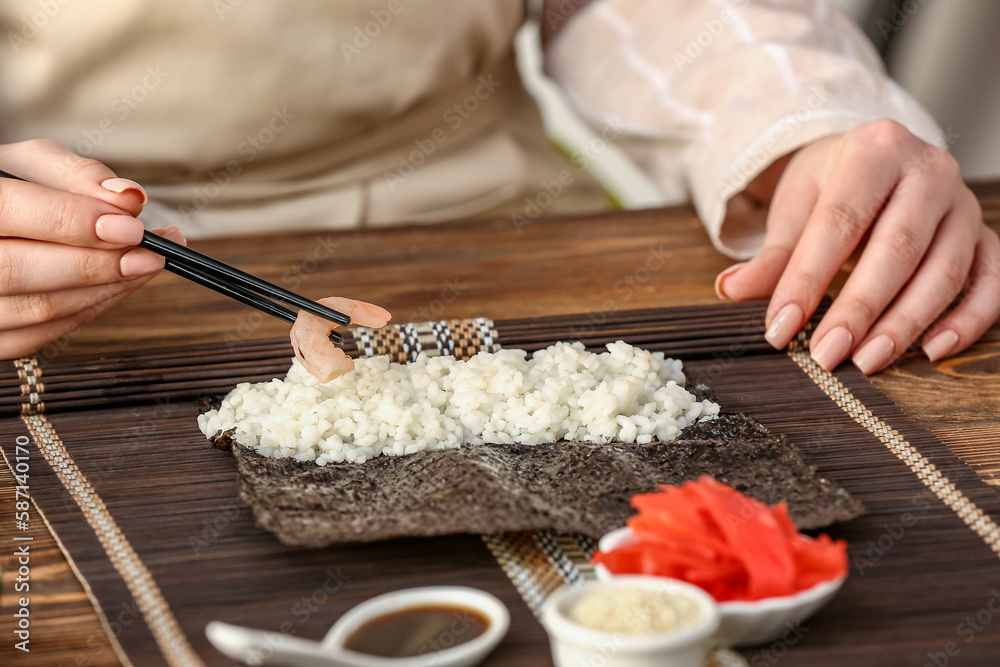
{"points": [[255, 115]]}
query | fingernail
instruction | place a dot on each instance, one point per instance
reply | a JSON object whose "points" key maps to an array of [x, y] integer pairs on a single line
{"points": [[720, 288], [123, 229], [120, 185], [140, 262], [784, 325], [832, 348], [941, 345], [875, 354]]}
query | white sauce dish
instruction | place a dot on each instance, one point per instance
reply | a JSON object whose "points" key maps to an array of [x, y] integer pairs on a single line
{"points": [[628, 640], [439, 626]]}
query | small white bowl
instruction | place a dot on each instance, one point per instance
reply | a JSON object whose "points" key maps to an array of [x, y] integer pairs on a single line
{"points": [[746, 623], [463, 655], [574, 644], [257, 647]]}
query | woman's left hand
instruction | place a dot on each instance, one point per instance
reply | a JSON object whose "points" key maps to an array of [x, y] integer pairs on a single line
{"points": [[895, 208]]}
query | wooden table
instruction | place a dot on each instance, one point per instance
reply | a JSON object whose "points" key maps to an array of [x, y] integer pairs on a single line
{"points": [[453, 270]]}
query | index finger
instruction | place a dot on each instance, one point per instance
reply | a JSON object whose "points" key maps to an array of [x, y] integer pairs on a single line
{"points": [[32, 211], [47, 163], [857, 188]]}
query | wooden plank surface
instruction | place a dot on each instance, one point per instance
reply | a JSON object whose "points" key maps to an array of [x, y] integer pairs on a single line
{"points": [[601, 263]]}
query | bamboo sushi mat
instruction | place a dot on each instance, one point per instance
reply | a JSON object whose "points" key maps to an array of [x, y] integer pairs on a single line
{"points": [[148, 515]]}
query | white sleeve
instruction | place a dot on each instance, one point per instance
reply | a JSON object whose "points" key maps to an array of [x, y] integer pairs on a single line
{"points": [[708, 93]]}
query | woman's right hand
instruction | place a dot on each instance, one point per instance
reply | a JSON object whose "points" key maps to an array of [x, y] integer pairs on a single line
{"points": [[66, 237]]}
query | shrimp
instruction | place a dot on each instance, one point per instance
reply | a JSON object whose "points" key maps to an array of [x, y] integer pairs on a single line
{"points": [[310, 336]]}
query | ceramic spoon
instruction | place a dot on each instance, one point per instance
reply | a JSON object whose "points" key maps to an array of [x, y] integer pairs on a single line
{"points": [[256, 647]]}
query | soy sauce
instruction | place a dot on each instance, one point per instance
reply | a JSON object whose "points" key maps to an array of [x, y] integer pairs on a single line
{"points": [[417, 631]]}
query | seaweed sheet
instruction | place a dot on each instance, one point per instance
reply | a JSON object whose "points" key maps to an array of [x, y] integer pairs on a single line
{"points": [[570, 487]]}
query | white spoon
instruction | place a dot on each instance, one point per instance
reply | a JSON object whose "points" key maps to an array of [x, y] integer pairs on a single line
{"points": [[257, 647]]}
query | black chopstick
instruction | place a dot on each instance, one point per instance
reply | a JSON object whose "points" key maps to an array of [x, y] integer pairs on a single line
{"points": [[240, 294], [232, 282], [231, 276]]}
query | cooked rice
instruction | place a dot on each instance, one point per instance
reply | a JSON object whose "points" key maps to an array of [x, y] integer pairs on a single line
{"points": [[561, 393]]}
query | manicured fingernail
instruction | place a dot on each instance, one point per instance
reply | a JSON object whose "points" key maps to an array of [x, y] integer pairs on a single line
{"points": [[832, 348], [941, 345], [875, 354], [720, 287], [140, 262], [784, 325], [120, 185], [123, 229], [174, 235]]}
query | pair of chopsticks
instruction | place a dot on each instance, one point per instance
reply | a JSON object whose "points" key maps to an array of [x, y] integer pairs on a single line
{"points": [[236, 284], [232, 282]]}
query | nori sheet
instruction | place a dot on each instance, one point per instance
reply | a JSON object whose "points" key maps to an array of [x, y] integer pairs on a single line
{"points": [[567, 486]]}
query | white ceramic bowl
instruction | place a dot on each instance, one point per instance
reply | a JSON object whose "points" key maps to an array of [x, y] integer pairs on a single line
{"points": [[463, 655], [258, 647], [574, 644], [747, 623]]}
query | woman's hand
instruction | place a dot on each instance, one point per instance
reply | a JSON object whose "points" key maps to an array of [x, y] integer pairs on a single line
{"points": [[66, 233], [895, 208]]}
